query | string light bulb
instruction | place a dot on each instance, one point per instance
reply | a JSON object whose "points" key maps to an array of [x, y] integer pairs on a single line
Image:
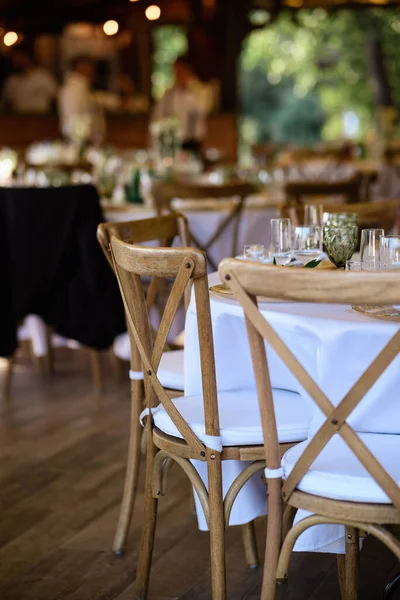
{"points": [[10, 38], [110, 27], [153, 12]]}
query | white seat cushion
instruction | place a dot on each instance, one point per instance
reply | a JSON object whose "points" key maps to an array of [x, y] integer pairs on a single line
{"points": [[239, 415], [170, 371], [338, 474]]}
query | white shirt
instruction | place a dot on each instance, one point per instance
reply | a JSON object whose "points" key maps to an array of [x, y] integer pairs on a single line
{"points": [[30, 92], [183, 104], [77, 103]]}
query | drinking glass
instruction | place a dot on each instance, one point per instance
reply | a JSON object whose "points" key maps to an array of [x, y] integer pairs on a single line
{"points": [[307, 243], [313, 214], [370, 245], [390, 251], [340, 219], [359, 265], [340, 244], [254, 252], [353, 265], [281, 243]]}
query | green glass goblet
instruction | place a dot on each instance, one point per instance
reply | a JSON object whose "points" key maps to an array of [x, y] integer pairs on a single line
{"points": [[340, 244], [340, 219]]}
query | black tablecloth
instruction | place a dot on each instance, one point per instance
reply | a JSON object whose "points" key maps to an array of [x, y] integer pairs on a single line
{"points": [[53, 266]]}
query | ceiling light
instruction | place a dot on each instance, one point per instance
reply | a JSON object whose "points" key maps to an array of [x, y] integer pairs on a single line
{"points": [[10, 38], [110, 27], [153, 12]]}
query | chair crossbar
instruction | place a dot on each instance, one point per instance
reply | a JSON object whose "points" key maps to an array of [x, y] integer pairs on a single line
{"points": [[336, 416], [174, 299], [151, 378], [235, 213]]}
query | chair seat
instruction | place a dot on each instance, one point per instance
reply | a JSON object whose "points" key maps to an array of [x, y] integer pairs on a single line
{"points": [[338, 474], [240, 423], [170, 371]]}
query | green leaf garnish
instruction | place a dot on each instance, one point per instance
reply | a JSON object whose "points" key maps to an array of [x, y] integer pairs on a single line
{"points": [[312, 264]]}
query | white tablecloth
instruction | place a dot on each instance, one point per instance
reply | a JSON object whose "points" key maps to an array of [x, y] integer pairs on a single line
{"points": [[254, 226], [333, 342]]}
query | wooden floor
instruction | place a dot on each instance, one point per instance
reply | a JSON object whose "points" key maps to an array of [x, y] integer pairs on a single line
{"points": [[62, 455]]}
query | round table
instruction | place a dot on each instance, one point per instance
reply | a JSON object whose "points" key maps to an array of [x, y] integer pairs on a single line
{"points": [[334, 343]]}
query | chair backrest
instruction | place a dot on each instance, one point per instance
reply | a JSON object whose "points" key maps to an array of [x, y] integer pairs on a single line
{"points": [[207, 204], [350, 189], [183, 265], [228, 200], [249, 280], [162, 229], [383, 214], [164, 192]]}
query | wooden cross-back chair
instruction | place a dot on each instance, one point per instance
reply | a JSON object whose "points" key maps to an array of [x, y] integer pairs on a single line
{"points": [[382, 214], [165, 193], [164, 230], [350, 189], [247, 281], [191, 428], [226, 209]]}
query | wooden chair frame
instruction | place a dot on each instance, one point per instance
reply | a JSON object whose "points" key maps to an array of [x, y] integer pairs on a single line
{"points": [[164, 193], [349, 188], [249, 280], [233, 207], [46, 364], [164, 229], [184, 265]]}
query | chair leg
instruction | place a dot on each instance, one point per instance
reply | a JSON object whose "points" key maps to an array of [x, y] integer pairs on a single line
{"points": [[38, 361], [192, 502], [274, 535], [250, 545], [391, 588], [97, 372], [149, 525], [287, 520], [341, 569], [217, 528], [236, 228], [352, 560], [121, 368], [132, 469], [50, 353], [8, 376]]}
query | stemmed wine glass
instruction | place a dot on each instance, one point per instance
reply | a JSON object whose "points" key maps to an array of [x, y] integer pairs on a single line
{"points": [[340, 244]]}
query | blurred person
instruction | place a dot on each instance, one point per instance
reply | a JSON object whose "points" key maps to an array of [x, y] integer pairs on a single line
{"points": [[81, 116], [30, 87], [182, 102]]}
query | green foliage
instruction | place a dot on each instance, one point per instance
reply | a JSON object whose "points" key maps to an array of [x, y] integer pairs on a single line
{"points": [[303, 70], [312, 264], [169, 42]]}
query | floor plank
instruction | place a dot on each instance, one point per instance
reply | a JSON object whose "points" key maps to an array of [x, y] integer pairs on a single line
{"points": [[62, 465]]}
